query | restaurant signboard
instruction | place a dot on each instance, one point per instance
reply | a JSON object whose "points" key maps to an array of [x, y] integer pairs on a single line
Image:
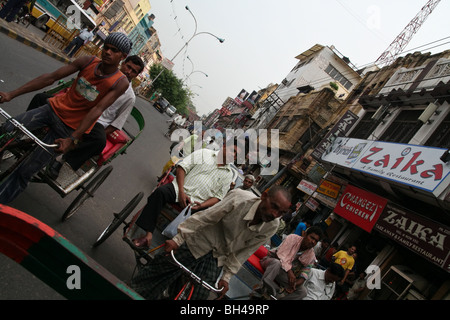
{"points": [[417, 166], [360, 207], [420, 235]]}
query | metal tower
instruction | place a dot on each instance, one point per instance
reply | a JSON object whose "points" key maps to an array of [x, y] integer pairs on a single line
{"points": [[402, 40]]}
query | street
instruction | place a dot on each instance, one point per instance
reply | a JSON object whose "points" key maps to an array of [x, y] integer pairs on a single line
{"points": [[133, 172]]}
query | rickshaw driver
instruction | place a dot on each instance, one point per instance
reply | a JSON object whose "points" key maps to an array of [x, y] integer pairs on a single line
{"points": [[99, 83]]}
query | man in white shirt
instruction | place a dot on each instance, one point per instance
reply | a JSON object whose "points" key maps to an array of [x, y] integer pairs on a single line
{"points": [[320, 284], [202, 180], [86, 35]]}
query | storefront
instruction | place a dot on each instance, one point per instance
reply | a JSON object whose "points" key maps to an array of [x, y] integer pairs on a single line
{"points": [[411, 251]]}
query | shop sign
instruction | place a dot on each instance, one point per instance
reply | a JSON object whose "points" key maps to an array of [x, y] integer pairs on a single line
{"points": [[307, 187], [416, 166], [422, 236], [329, 189], [341, 128], [360, 207], [312, 204]]}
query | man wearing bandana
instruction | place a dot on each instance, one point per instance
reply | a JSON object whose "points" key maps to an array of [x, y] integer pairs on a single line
{"points": [[98, 84]]}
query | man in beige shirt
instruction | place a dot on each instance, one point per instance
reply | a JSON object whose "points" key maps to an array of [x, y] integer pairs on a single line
{"points": [[219, 238]]}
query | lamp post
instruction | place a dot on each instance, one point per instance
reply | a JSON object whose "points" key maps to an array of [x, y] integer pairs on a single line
{"points": [[187, 42], [195, 72]]}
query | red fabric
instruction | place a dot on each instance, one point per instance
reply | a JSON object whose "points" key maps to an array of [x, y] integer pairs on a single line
{"points": [[257, 256]]}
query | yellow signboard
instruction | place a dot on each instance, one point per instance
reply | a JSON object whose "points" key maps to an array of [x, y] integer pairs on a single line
{"points": [[329, 189]]}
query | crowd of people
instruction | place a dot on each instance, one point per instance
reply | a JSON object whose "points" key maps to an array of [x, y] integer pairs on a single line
{"points": [[228, 223]]}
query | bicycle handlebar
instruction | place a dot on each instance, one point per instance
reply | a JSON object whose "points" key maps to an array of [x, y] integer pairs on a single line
{"points": [[194, 276], [22, 128]]}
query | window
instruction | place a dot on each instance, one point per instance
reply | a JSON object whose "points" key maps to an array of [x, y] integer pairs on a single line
{"points": [[441, 136], [336, 75], [365, 126], [404, 127], [282, 123], [309, 134]]}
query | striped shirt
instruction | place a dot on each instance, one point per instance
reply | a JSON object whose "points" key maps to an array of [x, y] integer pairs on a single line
{"points": [[204, 178]]}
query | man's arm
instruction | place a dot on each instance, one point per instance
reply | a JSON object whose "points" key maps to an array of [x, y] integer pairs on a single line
{"points": [[183, 198], [45, 79], [204, 205]]}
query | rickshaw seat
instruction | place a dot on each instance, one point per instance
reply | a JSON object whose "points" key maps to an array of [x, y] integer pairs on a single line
{"points": [[254, 261], [114, 142]]}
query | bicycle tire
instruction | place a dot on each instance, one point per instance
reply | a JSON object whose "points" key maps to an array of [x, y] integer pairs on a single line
{"points": [[86, 193], [119, 219]]}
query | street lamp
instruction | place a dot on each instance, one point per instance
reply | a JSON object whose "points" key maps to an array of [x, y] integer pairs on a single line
{"points": [[195, 72], [187, 42], [196, 34]]}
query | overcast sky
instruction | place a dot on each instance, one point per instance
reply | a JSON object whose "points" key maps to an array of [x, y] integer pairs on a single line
{"points": [[262, 38]]}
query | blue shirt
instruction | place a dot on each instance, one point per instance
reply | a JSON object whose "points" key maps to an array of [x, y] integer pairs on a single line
{"points": [[300, 228]]}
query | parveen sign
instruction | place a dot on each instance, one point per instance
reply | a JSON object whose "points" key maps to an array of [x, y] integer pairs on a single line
{"points": [[422, 236]]}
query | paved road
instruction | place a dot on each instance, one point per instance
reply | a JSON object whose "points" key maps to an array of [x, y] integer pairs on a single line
{"points": [[134, 172]]}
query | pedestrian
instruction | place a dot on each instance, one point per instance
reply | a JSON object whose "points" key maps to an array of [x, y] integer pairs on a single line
{"points": [[220, 238], [68, 116], [321, 248], [202, 179], [358, 286], [248, 182], [346, 260], [282, 264], [320, 284], [86, 35], [302, 226], [11, 9]]}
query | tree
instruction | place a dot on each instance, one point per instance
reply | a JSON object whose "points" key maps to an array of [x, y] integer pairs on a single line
{"points": [[170, 88]]}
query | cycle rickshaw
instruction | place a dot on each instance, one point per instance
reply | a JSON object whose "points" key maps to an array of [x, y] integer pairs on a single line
{"points": [[17, 145]]}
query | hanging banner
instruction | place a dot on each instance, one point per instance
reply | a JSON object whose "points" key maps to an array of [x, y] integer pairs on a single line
{"points": [[360, 207], [426, 238], [341, 128]]}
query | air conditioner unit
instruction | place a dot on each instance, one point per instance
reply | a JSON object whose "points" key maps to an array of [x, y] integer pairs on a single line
{"points": [[428, 112]]}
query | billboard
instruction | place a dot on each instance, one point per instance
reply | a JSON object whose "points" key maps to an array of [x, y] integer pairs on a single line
{"points": [[360, 207], [417, 166]]}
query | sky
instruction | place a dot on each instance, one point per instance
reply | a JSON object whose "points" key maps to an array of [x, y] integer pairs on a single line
{"points": [[263, 37]]}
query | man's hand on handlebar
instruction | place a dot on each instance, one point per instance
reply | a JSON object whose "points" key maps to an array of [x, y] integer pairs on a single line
{"points": [[5, 97], [222, 284], [170, 245], [64, 145]]}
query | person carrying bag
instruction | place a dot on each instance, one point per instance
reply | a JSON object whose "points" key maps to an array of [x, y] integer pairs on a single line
{"points": [[172, 228]]}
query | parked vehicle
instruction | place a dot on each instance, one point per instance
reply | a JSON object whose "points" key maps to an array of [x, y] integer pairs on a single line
{"points": [[161, 104], [171, 110]]}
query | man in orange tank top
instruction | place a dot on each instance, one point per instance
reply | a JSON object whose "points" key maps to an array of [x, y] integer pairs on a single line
{"points": [[98, 84]]}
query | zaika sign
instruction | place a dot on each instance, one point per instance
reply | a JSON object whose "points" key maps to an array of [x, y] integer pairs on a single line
{"points": [[360, 207], [422, 236], [416, 166]]}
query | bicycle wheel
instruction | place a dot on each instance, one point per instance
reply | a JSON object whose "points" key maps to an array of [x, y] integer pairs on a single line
{"points": [[87, 193], [119, 218]]}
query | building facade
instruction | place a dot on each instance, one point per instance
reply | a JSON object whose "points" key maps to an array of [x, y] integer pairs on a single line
{"points": [[318, 67], [394, 198]]}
